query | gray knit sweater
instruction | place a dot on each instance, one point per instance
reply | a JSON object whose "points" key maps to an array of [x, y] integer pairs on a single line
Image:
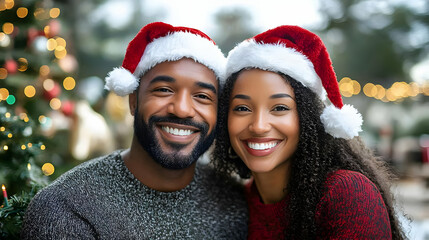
{"points": [[101, 199]]}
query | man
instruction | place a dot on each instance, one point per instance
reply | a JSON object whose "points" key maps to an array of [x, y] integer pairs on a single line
{"points": [[155, 189]]}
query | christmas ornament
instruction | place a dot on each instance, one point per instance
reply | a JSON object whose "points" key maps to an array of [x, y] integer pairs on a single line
{"points": [[301, 55], [159, 42], [53, 91]]}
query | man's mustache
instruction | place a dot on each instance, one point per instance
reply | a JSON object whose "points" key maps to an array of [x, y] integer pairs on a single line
{"points": [[201, 126]]}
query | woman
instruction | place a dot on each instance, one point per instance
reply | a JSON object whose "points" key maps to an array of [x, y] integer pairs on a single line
{"points": [[282, 123]]}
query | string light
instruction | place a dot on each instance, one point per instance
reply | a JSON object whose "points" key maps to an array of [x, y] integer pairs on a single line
{"points": [[10, 99], [69, 83], [55, 103], [29, 91], [5, 147], [2, 129], [3, 73], [4, 93], [44, 70], [9, 4], [54, 12], [29, 166], [22, 64], [48, 169], [8, 28], [22, 12], [51, 44], [23, 147], [42, 147]]}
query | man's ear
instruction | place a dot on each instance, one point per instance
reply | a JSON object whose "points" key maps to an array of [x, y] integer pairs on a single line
{"points": [[132, 100]]}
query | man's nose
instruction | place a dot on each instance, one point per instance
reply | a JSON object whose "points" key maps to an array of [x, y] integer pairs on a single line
{"points": [[182, 106]]}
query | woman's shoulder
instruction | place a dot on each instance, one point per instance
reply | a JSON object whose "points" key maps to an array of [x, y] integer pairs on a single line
{"points": [[347, 179]]}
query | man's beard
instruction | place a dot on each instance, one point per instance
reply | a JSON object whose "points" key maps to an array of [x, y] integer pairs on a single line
{"points": [[146, 136]]}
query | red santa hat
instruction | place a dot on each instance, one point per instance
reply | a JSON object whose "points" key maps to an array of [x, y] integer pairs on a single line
{"points": [[301, 55], [160, 42]]}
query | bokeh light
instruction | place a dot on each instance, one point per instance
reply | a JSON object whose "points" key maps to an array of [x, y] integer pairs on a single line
{"points": [[48, 169], [22, 12], [69, 83], [55, 103], [54, 12], [44, 70], [29, 91], [7, 28]]}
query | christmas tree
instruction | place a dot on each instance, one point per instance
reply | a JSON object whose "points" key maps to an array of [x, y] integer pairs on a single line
{"points": [[37, 77]]}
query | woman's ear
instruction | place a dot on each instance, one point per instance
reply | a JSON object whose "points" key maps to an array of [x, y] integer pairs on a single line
{"points": [[132, 100]]}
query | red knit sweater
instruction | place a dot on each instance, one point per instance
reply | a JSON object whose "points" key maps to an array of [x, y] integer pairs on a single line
{"points": [[351, 208]]}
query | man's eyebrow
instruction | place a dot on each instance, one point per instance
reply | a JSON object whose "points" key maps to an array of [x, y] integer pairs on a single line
{"points": [[162, 79], [241, 96], [209, 86], [281, 95]]}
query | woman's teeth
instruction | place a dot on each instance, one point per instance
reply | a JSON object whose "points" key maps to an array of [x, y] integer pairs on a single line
{"points": [[261, 146]]}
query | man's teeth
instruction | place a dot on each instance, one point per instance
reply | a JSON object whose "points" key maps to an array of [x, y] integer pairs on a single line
{"points": [[261, 146], [176, 131]]}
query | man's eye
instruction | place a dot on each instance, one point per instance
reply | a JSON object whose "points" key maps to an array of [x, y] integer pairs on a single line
{"points": [[203, 96], [241, 109], [281, 108], [162, 90]]}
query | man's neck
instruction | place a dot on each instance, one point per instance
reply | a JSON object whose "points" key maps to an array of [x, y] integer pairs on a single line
{"points": [[152, 174]]}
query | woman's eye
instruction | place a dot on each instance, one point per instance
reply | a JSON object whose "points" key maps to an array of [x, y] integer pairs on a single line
{"points": [[280, 108], [241, 109]]}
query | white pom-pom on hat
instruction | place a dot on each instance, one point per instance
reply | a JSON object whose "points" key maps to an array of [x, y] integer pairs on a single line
{"points": [[342, 123], [121, 81]]}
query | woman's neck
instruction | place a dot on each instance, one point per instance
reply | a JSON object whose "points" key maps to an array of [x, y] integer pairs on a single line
{"points": [[272, 185]]}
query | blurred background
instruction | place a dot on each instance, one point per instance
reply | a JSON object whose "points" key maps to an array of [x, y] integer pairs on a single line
{"points": [[54, 55]]}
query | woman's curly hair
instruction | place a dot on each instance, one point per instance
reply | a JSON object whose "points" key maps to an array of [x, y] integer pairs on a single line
{"points": [[317, 155]]}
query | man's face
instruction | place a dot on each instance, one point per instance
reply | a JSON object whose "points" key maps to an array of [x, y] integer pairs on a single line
{"points": [[175, 112]]}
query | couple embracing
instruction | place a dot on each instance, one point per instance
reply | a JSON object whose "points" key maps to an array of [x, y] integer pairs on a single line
{"points": [[286, 163]]}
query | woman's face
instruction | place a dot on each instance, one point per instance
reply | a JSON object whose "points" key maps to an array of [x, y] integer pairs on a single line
{"points": [[263, 121]]}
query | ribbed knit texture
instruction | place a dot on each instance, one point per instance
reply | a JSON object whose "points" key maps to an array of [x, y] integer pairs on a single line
{"points": [[101, 199], [351, 208]]}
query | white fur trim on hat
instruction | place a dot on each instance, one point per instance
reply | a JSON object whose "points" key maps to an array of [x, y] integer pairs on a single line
{"points": [[342, 123], [121, 81], [178, 45], [275, 58]]}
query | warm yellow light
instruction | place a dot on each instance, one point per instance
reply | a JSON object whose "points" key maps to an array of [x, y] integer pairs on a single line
{"points": [[370, 90], [29, 166], [48, 169], [26, 119], [55, 103], [51, 44], [10, 135], [46, 30], [29, 91], [7, 115], [381, 92], [42, 119], [4, 93], [69, 83], [390, 96], [22, 64], [5, 147], [3, 73], [9, 4], [2, 129], [61, 42], [54, 12], [42, 147], [8, 28], [60, 53], [40, 13], [44, 70], [29, 145], [346, 87], [425, 89], [22, 116], [22, 12], [356, 87], [23, 147], [48, 84], [413, 89]]}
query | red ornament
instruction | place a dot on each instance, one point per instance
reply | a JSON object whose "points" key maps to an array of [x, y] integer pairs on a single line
{"points": [[32, 34], [54, 28], [11, 66], [52, 93], [67, 107]]}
